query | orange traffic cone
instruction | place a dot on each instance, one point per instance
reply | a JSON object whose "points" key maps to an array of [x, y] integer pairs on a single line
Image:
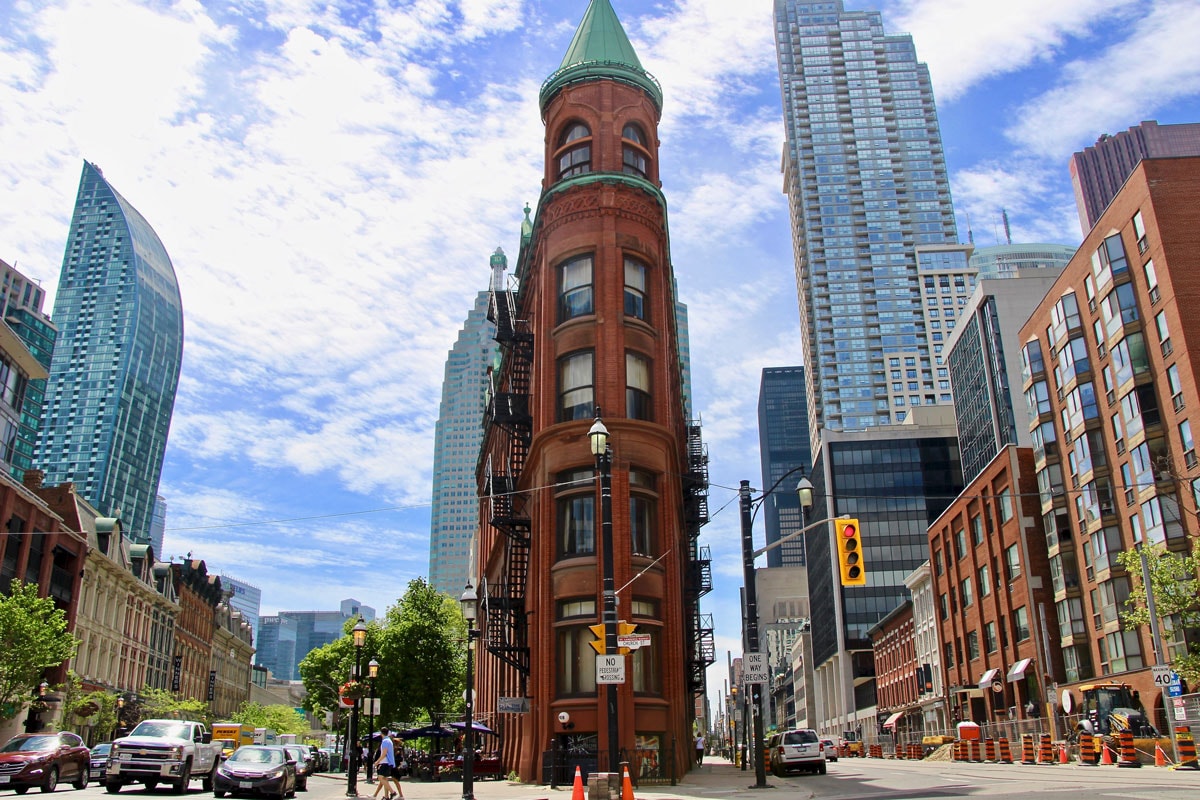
{"points": [[1105, 755], [577, 789], [1160, 758], [626, 786], [1063, 758]]}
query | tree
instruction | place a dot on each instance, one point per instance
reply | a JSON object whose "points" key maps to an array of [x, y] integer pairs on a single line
{"points": [[33, 639], [279, 718], [1173, 580], [161, 704]]}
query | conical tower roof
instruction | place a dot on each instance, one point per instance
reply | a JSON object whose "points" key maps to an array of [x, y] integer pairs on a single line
{"points": [[600, 50]]}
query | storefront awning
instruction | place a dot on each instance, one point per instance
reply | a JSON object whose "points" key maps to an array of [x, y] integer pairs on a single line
{"points": [[893, 719], [1017, 670], [986, 679]]}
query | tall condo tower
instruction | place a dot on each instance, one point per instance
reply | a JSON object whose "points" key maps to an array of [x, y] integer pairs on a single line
{"points": [[783, 446], [455, 514], [866, 182], [21, 299], [116, 365], [592, 329]]}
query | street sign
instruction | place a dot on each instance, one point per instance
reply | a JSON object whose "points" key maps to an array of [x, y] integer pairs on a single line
{"points": [[1175, 687], [610, 669], [754, 668], [1162, 675], [634, 640]]}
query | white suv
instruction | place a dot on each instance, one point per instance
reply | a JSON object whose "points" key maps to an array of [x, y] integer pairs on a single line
{"points": [[799, 749]]}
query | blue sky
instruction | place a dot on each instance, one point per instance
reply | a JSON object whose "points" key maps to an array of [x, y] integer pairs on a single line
{"points": [[330, 179]]}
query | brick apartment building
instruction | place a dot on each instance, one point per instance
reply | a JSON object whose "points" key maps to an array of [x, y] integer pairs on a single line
{"points": [[1107, 362]]}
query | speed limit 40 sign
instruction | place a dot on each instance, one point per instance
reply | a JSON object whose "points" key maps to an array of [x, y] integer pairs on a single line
{"points": [[1162, 675]]}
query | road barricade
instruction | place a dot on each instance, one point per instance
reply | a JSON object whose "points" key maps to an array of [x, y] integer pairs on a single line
{"points": [[1028, 755], [1045, 750], [875, 751], [1187, 748], [989, 750], [1088, 756], [1005, 751], [915, 752], [1128, 756]]}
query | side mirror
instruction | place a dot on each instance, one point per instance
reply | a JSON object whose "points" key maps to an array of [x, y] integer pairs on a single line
{"points": [[206, 737]]}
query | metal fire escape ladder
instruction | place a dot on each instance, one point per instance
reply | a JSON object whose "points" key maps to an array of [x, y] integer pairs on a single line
{"points": [[508, 411], [698, 581]]}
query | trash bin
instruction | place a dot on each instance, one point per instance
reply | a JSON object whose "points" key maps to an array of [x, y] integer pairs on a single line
{"points": [[968, 731]]}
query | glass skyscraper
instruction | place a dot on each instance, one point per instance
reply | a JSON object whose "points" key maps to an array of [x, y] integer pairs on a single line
{"points": [[116, 365], [782, 447], [866, 181], [21, 300], [455, 514]]}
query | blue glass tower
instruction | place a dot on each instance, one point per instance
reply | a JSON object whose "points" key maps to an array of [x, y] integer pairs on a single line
{"points": [[116, 365], [866, 182], [455, 514], [783, 446], [21, 299]]}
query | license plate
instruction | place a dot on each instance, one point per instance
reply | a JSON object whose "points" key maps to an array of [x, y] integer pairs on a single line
{"points": [[3, 779], [245, 784], [127, 756]]}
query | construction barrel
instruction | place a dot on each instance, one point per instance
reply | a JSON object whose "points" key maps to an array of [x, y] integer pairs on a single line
{"points": [[1005, 751], [1128, 756], [989, 750], [1027, 751], [1187, 748], [1088, 756], [1045, 750]]}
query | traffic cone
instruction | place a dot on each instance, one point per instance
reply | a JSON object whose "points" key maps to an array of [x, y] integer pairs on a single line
{"points": [[1105, 755], [1063, 758], [577, 789], [1160, 758], [626, 785]]}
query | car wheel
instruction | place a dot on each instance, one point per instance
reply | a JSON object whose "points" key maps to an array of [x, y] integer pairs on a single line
{"points": [[81, 780], [20, 789], [180, 786], [151, 785], [51, 782], [209, 779], [112, 787], [218, 793], [822, 769]]}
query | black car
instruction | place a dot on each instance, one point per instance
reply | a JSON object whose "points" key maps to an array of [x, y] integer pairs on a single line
{"points": [[100, 760], [304, 764], [265, 770]]}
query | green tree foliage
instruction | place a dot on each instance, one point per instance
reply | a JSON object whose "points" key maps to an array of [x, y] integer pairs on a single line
{"points": [[1176, 588], [33, 638], [279, 718], [161, 704], [419, 645]]}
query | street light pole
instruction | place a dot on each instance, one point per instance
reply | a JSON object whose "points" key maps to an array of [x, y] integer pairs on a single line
{"points": [[470, 606], [360, 638], [750, 621], [598, 434], [372, 672]]}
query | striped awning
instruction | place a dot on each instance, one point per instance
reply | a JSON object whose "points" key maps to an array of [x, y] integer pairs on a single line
{"points": [[1017, 670], [986, 679], [893, 719]]}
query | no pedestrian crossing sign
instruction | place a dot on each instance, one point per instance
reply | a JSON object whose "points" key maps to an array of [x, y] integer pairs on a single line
{"points": [[610, 669]]}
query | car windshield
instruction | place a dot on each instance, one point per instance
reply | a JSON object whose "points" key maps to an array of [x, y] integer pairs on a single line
{"points": [[101, 749], [163, 730], [296, 753], [257, 755], [799, 737], [30, 743]]}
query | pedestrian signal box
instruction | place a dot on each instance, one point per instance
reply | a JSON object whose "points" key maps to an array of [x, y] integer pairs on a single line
{"points": [[850, 556]]}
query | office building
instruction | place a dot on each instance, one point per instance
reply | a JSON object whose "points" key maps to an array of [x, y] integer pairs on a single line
{"points": [[1098, 172], [287, 637], [116, 364], [866, 181], [783, 446], [158, 523], [1007, 260], [21, 302], [454, 518], [1110, 383], [593, 330], [245, 598], [984, 363]]}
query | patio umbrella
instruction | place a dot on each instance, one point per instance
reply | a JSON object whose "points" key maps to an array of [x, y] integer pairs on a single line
{"points": [[477, 727], [429, 731]]}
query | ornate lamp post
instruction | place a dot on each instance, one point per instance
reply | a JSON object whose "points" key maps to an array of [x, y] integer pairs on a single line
{"points": [[598, 435], [120, 708], [750, 506], [470, 607], [360, 639], [372, 673]]}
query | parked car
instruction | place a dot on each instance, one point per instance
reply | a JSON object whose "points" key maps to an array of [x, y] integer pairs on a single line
{"points": [[100, 760], [257, 769], [319, 762], [42, 760], [798, 749], [831, 749], [304, 764]]}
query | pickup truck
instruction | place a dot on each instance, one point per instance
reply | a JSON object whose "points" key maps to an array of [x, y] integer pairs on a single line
{"points": [[163, 751]]}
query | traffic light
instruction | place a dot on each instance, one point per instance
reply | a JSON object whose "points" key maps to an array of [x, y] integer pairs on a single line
{"points": [[597, 643], [850, 556]]}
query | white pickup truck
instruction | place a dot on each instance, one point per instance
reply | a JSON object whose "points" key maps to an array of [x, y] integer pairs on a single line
{"points": [[163, 751]]}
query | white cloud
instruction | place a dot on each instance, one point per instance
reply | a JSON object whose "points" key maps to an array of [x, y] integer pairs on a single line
{"points": [[1123, 84], [1036, 196], [968, 41]]}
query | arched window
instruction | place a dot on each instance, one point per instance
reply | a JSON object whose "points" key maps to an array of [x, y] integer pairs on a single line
{"points": [[634, 151], [635, 289], [576, 159]]}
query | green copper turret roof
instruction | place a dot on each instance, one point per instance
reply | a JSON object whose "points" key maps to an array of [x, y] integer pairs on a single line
{"points": [[600, 50]]}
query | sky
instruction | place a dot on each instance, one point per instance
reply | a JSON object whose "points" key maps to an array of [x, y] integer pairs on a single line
{"points": [[330, 179]]}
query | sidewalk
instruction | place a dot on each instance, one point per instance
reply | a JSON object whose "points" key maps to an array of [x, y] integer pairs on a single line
{"points": [[717, 777]]}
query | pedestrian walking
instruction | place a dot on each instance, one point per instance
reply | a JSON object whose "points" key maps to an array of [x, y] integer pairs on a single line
{"points": [[699, 749], [385, 767]]}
